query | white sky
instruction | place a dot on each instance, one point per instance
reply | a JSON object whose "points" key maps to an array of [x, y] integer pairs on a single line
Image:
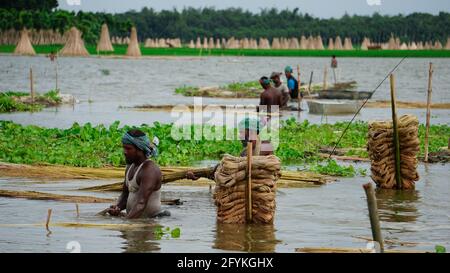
{"points": [[318, 8]]}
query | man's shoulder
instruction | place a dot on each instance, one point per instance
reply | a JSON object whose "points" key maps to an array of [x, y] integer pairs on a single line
{"points": [[150, 166]]}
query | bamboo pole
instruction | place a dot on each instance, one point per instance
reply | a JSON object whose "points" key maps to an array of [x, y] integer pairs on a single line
{"points": [[49, 214], [31, 85], [325, 74], [310, 82], [248, 188], [430, 89], [373, 215], [56, 77], [398, 177], [78, 210], [299, 102]]}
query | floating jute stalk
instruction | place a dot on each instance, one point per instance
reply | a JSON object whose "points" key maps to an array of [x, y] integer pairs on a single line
{"points": [[49, 214]]}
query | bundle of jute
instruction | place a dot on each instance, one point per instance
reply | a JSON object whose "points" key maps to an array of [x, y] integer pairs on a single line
{"points": [[381, 152], [74, 45], [231, 178], [24, 46], [104, 44], [447, 45], [133, 49]]}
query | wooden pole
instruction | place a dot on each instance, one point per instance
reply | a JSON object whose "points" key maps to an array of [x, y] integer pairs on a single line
{"points": [[398, 177], [78, 210], [430, 89], [31, 85], [325, 74], [373, 215], [299, 102], [310, 82], [56, 77], [248, 188], [49, 214]]}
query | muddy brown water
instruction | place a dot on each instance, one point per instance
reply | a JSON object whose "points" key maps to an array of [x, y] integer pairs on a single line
{"points": [[325, 216], [321, 216], [112, 83]]}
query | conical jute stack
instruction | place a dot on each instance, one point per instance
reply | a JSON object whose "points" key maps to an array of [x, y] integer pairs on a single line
{"points": [[338, 43], [24, 46], [381, 152], [319, 43], [191, 44], [104, 44], [447, 45], [133, 49], [330, 44], [348, 44], [365, 44], [74, 45], [231, 177], [264, 43], [276, 43]]}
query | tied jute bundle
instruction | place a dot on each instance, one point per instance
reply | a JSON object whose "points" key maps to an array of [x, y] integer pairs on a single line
{"points": [[382, 156], [231, 178]]}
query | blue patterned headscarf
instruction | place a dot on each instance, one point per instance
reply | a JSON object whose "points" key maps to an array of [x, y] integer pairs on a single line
{"points": [[142, 143]]}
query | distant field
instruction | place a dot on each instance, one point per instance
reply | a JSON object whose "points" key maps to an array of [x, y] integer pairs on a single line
{"points": [[120, 50]]}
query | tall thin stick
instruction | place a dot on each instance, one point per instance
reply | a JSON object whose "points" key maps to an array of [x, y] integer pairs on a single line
{"points": [[325, 74], [430, 89], [248, 188], [299, 102], [56, 77], [31, 85], [373, 215], [78, 210], [310, 82], [398, 177], [49, 214]]}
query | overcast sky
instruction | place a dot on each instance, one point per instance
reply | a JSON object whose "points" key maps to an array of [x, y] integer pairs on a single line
{"points": [[318, 8]]}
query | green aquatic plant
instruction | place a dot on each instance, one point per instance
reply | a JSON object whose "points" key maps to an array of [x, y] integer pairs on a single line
{"points": [[166, 233], [440, 249], [98, 146]]}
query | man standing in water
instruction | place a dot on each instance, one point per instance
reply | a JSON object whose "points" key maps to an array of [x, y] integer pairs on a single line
{"points": [[270, 96], [284, 90], [141, 193]]}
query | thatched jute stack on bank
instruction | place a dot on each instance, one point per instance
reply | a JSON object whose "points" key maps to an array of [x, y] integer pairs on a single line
{"points": [[330, 44], [365, 44], [231, 178], [133, 49], [382, 156], [348, 44], [74, 45], [338, 44], [319, 43], [104, 44], [24, 46], [447, 45]]}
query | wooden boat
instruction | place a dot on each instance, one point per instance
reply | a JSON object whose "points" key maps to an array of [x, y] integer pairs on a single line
{"points": [[333, 107], [344, 95]]}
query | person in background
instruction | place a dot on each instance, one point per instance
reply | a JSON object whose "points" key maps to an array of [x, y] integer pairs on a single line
{"points": [[280, 86], [292, 84]]}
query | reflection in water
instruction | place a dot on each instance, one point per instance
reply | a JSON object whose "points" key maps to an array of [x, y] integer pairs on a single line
{"points": [[397, 206], [248, 238], [140, 240]]}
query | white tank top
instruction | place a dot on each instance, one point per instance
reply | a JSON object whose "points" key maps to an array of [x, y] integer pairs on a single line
{"points": [[153, 206]]}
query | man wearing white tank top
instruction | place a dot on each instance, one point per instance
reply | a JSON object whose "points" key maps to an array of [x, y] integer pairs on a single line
{"points": [[141, 193]]}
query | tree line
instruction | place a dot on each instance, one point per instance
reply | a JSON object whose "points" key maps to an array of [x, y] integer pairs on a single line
{"points": [[190, 23]]}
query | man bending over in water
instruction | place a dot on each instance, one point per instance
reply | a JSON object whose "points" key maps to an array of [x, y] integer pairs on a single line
{"points": [[141, 193]]}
